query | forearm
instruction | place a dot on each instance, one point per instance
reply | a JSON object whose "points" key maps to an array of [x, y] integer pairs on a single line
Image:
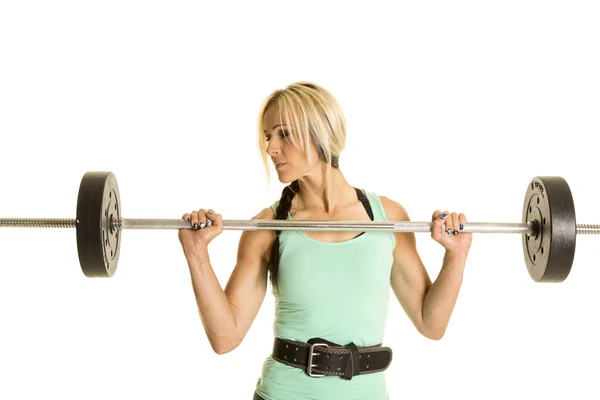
{"points": [[215, 310], [441, 297]]}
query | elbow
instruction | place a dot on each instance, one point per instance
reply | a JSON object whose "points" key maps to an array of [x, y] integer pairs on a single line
{"points": [[436, 333], [221, 348]]}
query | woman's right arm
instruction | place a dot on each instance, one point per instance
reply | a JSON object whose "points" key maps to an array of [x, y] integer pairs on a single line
{"points": [[228, 314]]}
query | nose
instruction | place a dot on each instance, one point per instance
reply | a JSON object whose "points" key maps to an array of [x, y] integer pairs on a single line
{"points": [[272, 148]]}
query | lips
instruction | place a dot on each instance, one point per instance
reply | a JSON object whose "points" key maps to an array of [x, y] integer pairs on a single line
{"points": [[279, 165]]}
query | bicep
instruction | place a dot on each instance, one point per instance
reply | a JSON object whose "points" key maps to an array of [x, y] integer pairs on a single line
{"points": [[247, 285], [410, 281]]}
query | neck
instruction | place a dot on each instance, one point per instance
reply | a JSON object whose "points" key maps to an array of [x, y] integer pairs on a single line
{"points": [[315, 192]]}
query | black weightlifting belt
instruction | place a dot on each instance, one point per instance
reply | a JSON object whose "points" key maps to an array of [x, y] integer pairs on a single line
{"points": [[320, 357]]}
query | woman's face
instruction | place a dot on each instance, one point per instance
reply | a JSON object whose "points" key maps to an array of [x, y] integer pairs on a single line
{"points": [[290, 162]]}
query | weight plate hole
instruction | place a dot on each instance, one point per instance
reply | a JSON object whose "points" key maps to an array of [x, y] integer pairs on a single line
{"points": [[529, 208], [110, 195], [538, 200], [544, 220], [542, 250], [533, 257]]}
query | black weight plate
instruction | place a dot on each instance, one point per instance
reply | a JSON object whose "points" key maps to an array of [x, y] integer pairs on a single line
{"points": [[550, 251], [98, 243]]}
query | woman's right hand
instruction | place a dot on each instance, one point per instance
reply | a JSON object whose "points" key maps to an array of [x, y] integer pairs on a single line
{"points": [[206, 225]]}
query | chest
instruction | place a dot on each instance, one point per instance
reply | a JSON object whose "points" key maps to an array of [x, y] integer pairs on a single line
{"points": [[313, 272], [353, 212]]}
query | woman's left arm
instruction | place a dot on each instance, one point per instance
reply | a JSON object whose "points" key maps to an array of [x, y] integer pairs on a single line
{"points": [[428, 305]]}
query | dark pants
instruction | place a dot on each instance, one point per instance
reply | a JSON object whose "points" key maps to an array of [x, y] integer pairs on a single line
{"points": [[257, 397]]}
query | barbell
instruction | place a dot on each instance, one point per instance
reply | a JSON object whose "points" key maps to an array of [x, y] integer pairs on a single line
{"points": [[548, 226]]}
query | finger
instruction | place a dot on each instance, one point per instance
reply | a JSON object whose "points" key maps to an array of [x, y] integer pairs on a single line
{"points": [[202, 218], [463, 220], [448, 222], [194, 219], [186, 217], [455, 223], [435, 218], [444, 221], [210, 215], [217, 219], [439, 224]]}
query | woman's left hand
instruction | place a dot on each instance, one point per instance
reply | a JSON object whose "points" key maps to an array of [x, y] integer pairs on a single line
{"points": [[447, 231]]}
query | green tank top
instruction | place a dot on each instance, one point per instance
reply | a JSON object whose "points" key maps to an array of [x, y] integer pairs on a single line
{"points": [[335, 291]]}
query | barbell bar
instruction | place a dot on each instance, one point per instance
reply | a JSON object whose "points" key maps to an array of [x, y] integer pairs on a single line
{"points": [[548, 226], [272, 224]]}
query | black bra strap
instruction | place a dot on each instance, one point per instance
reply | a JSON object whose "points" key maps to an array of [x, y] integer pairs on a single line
{"points": [[365, 201]]}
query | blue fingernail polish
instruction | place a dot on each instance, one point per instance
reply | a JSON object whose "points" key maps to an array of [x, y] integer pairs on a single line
{"points": [[443, 216], [461, 227], [202, 225], [209, 213], [189, 219]]}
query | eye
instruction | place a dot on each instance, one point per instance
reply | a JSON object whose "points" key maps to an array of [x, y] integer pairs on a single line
{"points": [[283, 133]]}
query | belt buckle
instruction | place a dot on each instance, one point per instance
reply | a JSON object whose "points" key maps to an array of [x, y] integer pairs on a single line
{"points": [[311, 354]]}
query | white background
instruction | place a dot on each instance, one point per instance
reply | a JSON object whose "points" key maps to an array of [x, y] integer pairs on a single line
{"points": [[450, 105]]}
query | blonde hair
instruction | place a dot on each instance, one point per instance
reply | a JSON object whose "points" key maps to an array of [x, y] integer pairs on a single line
{"points": [[314, 117]]}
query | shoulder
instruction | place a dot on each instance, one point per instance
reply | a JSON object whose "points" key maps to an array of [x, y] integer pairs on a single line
{"points": [[394, 210], [266, 213], [257, 243]]}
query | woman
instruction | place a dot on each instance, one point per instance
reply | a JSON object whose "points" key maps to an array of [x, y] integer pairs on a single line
{"points": [[331, 288]]}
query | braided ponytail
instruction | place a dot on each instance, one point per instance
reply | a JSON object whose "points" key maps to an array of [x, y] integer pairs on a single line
{"points": [[285, 204]]}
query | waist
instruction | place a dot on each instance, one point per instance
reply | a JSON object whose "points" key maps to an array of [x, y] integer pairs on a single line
{"points": [[281, 381], [320, 357], [340, 324]]}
